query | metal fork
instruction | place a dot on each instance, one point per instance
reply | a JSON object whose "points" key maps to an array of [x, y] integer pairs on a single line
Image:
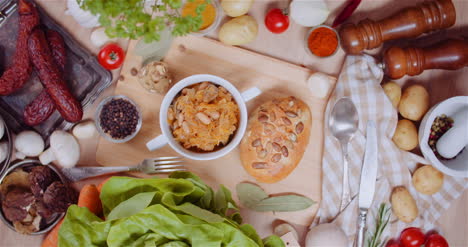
{"points": [[149, 166]]}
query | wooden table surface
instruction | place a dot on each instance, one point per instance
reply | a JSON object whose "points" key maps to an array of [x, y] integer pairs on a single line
{"points": [[289, 46]]}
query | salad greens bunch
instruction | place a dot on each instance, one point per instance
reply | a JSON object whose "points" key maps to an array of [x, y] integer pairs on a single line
{"points": [[178, 211], [145, 19]]}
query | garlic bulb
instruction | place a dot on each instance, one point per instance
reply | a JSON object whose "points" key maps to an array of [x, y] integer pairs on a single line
{"points": [[155, 77], [83, 17]]}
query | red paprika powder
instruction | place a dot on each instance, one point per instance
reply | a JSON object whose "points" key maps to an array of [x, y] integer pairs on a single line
{"points": [[322, 42]]}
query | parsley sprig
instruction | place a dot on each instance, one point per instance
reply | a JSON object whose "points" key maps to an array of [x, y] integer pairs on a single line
{"points": [[128, 18]]}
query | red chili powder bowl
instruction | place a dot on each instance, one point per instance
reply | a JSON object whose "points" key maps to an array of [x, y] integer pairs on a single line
{"points": [[322, 41]]}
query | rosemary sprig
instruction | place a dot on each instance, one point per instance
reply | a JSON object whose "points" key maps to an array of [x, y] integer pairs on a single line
{"points": [[382, 219]]}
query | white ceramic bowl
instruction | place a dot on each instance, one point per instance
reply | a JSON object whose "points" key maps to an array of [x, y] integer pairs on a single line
{"points": [[457, 167], [167, 137]]}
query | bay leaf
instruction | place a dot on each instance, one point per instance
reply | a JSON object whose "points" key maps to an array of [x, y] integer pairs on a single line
{"points": [[285, 203], [250, 194], [255, 198]]}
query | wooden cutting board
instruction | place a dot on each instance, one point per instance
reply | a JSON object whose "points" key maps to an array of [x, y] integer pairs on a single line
{"points": [[195, 55]]}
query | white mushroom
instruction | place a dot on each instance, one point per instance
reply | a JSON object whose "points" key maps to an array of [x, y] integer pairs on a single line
{"points": [[29, 143], [84, 130], [3, 151], [64, 149]]}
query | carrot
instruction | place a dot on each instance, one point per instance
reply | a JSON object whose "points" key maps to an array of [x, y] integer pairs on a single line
{"points": [[102, 184], [89, 198], [51, 240]]}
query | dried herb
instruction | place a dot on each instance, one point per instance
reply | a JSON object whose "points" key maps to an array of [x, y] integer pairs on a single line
{"points": [[382, 219], [255, 198]]}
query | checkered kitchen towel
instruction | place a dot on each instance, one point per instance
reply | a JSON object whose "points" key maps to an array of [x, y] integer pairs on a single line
{"points": [[360, 80]]}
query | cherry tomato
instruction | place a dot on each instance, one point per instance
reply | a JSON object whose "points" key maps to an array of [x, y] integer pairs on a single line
{"points": [[277, 21], [393, 243], [111, 56], [412, 237], [436, 240]]}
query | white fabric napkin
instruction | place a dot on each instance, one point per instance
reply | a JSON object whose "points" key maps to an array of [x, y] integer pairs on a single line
{"points": [[360, 80]]}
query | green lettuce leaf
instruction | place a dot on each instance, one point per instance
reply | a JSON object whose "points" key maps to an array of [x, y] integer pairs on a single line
{"points": [[132, 206], [178, 211], [82, 228]]}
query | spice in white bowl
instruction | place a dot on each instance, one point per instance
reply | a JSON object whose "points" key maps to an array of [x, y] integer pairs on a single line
{"points": [[118, 119]]}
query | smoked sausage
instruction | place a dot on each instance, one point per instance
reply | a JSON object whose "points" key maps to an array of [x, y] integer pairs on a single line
{"points": [[18, 73], [52, 78], [43, 106]]}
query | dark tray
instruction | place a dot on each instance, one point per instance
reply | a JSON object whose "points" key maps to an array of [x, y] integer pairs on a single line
{"points": [[84, 75]]}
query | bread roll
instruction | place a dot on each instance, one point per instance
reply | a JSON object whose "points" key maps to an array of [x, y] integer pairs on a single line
{"points": [[276, 138]]}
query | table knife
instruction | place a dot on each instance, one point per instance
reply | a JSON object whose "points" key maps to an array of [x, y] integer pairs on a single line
{"points": [[368, 181]]}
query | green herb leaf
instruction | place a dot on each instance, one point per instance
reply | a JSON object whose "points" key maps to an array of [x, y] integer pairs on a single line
{"points": [[255, 198], [131, 206]]}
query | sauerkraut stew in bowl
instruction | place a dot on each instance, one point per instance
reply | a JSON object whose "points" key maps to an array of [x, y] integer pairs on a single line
{"points": [[203, 117]]}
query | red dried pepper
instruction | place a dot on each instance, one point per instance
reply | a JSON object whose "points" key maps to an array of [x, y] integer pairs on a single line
{"points": [[346, 12]]}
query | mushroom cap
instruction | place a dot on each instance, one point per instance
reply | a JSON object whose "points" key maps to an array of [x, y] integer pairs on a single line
{"points": [[29, 143], [65, 148]]}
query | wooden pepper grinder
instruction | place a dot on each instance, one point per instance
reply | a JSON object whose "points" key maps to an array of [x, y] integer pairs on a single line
{"points": [[408, 23], [451, 54]]}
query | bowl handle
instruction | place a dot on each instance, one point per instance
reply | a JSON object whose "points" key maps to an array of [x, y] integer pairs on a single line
{"points": [[157, 143], [251, 93]]}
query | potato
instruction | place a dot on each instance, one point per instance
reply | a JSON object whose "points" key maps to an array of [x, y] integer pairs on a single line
{"points": [[393, 92], [406, 135], [414, 103], [238, 31], [235, 8], [428, 180], [403, 204]]}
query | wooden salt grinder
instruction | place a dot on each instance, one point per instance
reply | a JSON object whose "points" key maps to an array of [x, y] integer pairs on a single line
{"points": [[408, 23], [451, 54]]}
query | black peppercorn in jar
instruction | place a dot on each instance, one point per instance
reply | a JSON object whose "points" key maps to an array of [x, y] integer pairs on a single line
{"points": [[118, 119]]}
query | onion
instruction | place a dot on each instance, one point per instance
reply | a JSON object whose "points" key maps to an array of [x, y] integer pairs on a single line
{"points": [[309, 13], [83, 17], [235, 8]]}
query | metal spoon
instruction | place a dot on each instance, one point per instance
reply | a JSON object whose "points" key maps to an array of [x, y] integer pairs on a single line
{"points": [[343, 123]]}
